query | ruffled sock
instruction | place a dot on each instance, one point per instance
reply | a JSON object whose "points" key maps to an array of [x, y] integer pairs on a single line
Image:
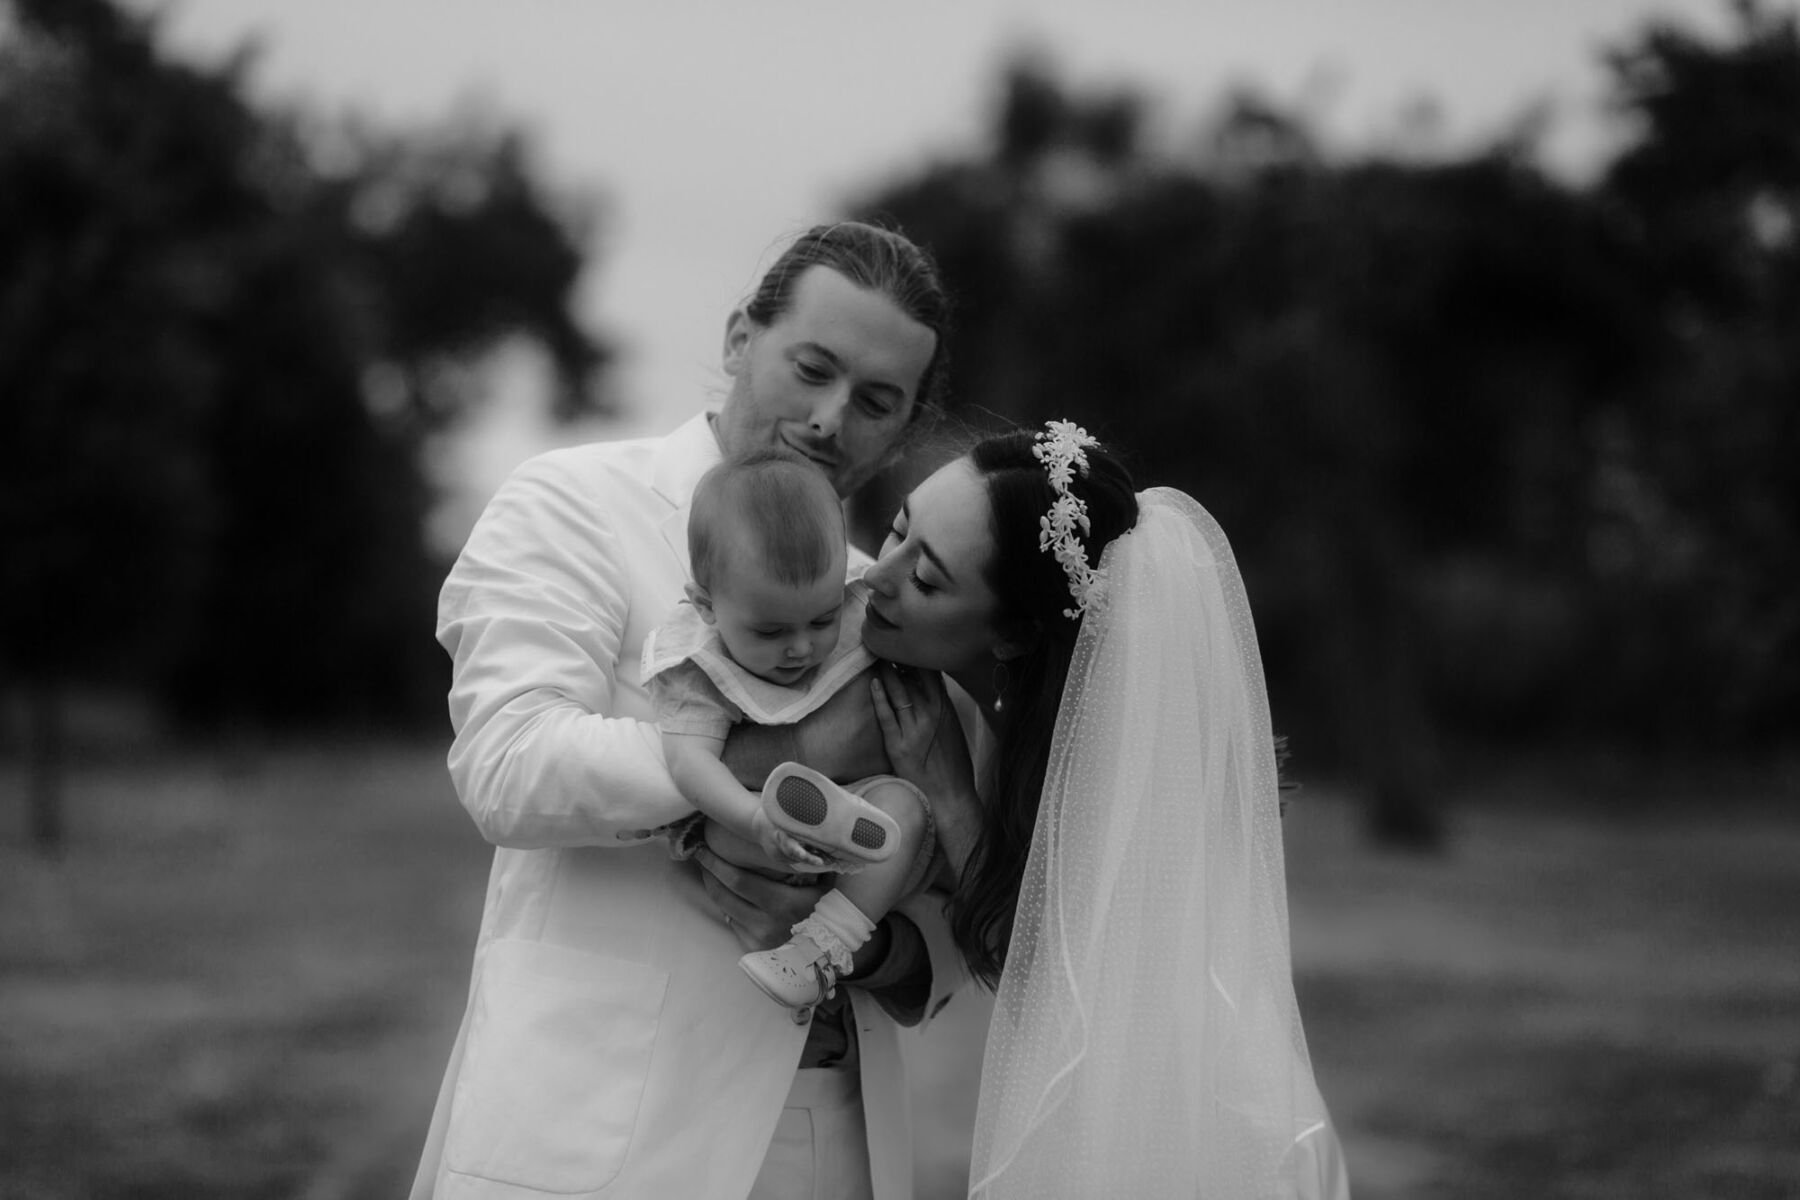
{"points": [[838, 928]]}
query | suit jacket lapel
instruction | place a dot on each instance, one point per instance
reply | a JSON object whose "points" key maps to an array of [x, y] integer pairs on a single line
{"points": [[684, 456]]}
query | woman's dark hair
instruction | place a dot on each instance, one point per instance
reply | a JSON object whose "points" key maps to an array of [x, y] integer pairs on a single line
{"points": [[880, 260], [1032, 591]]}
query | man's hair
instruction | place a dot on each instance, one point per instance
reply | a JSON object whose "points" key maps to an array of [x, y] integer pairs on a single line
{"points": [[771, 505], [881, 261]]}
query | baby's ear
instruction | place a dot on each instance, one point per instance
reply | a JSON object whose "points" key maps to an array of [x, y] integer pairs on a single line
{"points": [[701, 599]]}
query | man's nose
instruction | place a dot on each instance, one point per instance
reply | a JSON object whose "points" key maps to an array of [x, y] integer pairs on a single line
{"points": [[828, 413]]}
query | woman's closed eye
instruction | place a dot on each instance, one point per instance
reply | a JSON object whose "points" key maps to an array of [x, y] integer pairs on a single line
{"points": [[925, 589]]}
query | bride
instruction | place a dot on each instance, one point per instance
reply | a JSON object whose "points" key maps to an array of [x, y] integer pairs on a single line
{"points": [[1117, 847]]}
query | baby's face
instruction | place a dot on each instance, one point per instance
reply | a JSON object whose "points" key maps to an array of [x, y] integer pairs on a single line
{"points": [[777, 631]]}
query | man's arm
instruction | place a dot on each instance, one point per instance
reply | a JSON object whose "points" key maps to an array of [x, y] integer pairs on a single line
{"points": [[533, 614]]}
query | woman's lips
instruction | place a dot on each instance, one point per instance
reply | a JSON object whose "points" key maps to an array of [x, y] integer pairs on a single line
{"points": [[873, 616]]}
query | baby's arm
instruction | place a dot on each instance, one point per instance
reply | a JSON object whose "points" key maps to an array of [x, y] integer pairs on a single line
{"points": [[711, 788]]}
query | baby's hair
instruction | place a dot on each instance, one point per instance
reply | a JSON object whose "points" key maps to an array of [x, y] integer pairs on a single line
{"points": [[773, 505]]}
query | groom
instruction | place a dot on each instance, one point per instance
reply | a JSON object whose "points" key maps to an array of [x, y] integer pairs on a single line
{"points": [[611, 1047]]}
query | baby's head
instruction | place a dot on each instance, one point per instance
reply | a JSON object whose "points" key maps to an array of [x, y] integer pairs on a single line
{"points": [[766, 540]]}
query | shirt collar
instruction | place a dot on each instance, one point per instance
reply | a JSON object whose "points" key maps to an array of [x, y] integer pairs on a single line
{"points": [[687, 453]]}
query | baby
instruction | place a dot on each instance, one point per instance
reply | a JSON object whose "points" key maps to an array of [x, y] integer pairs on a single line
{"points": [[769, 632]]}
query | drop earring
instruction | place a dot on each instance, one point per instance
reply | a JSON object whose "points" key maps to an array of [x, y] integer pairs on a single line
{"points": [[1001, 680]]}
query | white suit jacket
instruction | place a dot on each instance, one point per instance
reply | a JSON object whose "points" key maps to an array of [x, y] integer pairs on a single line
{"points": [[611, 1046]]}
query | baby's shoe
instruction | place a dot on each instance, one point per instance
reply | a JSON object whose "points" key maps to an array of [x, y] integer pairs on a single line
{"points": [[797, 973], [817, 811], [805, 969]]}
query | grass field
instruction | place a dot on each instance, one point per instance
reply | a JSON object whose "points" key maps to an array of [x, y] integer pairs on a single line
{"points": [[242, 978]]}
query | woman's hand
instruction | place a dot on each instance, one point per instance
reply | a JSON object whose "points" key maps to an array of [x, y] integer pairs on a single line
{"points": [[751, 889], [926, 745]]}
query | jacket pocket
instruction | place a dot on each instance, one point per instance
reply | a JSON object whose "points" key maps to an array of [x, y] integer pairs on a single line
{"points": [[553, 1071]]}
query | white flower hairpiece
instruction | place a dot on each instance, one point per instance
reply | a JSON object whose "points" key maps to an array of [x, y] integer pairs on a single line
{"points": [[1062, 447]]}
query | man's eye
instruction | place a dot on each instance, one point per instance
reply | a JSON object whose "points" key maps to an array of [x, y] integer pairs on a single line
{"points": [[875, 404], [811, 372]]}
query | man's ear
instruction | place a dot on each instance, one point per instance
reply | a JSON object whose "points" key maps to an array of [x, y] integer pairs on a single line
{"points": [[739, 331], [701, 599]]}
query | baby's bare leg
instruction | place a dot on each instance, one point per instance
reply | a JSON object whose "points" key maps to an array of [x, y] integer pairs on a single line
{"points": [[877, 888]]}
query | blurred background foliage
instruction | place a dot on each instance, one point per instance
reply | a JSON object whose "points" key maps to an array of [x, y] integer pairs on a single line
{"points": [[1507, 459], [225, 334]]}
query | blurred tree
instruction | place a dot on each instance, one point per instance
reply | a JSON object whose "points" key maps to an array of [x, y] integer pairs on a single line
{"points": [[1373, 373], [221, 343], [1700, 509]]}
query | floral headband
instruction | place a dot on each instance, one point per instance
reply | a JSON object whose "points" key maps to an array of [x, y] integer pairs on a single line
{"points": [[1062, 447]]}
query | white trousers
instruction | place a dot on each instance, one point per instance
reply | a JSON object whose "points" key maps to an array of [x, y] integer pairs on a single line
{"points": [[821, 1148]]}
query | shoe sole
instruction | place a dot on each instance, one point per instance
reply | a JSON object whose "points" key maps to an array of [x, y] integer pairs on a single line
{"points": [[805, 803], [808, 811]]}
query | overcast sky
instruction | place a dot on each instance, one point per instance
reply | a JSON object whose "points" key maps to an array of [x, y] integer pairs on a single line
{"points": [[709, 130]]}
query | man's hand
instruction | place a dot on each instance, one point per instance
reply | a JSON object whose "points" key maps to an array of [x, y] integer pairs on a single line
{"points": [[758, 903], [750, 889]]}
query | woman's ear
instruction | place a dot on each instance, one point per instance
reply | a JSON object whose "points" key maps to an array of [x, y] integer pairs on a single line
{"points": [[701, 599], [739, 331], [1016, 642]]}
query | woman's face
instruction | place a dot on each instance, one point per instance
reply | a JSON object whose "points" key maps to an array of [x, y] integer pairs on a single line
{"points": [[930, 604]]}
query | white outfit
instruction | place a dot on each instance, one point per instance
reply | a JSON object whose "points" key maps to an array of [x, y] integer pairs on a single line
{"points": [[611, 1046], [1145, 1039], [700, 689], [820, 1150]]}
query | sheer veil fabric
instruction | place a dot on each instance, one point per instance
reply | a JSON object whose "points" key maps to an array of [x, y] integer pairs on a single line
{"points": [[1145, 1038]]}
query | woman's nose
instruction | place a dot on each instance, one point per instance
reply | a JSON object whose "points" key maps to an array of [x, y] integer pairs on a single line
{"points": [[880, 575]]}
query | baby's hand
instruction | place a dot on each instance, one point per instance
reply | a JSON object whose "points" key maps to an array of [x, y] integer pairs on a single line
{"points": [[781, 845]]}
